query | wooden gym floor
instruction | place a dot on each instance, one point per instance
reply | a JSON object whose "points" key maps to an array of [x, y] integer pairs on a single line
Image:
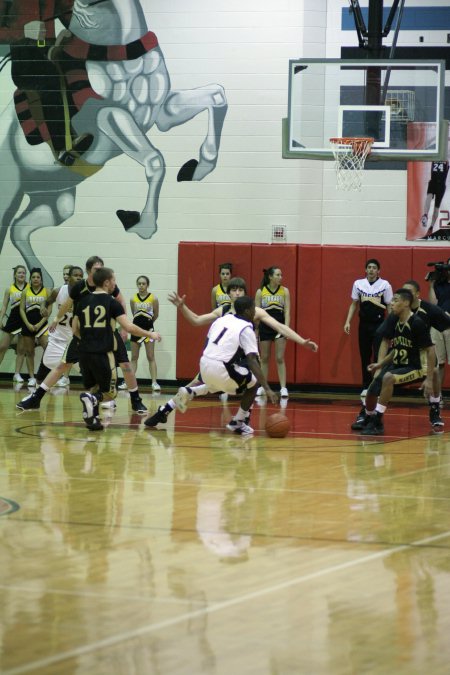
{"points": [[189, 551]]}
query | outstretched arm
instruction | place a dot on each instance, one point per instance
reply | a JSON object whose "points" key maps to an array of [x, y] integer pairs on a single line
{"points": [[262, 315], [193, 318], [130, 327]]}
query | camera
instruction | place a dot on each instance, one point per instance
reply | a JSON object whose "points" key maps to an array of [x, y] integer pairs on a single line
{"points": [[440, 272]]}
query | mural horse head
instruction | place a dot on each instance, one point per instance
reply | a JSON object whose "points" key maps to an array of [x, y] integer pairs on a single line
{"points": [[129, 93]]}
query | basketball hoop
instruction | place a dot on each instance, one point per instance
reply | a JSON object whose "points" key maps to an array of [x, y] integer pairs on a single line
{"points": [[350, 153]]}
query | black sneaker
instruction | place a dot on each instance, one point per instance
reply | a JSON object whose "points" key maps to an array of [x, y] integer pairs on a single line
{"points": [[361, 421], [435, 416], [31, 402], [160, 417], [88, 402], [374, 426], [94, 425], [138, 406]]}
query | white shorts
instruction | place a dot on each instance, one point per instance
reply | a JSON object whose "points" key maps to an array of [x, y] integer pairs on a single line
{"points": [[442, 345], [54, 353], [230, 379]]}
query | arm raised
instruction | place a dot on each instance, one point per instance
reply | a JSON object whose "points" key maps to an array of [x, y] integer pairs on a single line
{"points": [[193, 318], [261, 315]]}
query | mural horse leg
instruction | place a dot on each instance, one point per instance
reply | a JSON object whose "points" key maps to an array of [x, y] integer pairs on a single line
{"points": [[126, 97]]}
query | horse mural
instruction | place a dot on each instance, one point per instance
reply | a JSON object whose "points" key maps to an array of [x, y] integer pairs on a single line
{"points": [[128, 92]]}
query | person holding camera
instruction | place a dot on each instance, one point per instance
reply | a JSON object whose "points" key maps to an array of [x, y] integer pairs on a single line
{"points": [[440, 296], [372, 295]]}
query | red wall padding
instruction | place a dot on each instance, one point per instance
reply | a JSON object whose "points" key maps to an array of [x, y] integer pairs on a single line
{"points": [[195, 277], [319, 279], [309, 272], [338, 352]]}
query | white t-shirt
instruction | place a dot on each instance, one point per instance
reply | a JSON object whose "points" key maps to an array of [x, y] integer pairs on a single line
{"points": [[380, 290], [228, 337]]}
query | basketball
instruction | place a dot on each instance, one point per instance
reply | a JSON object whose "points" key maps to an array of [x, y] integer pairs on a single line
{"points": [[277, 425]]}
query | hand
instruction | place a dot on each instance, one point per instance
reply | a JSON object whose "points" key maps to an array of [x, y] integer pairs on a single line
{"points": [[373, 366], [309, 344], [155, 336], [272, 395], [347, 328], [52, 326], [176, 299]]}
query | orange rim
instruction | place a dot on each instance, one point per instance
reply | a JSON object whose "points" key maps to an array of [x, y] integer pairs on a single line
{"points": [[359, 143]]}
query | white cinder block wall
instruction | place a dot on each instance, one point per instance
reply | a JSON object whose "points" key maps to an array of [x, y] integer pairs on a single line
{"points": [[245, 47]]}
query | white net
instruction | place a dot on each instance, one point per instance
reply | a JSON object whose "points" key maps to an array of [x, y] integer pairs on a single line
{"points": [[349, 157]]}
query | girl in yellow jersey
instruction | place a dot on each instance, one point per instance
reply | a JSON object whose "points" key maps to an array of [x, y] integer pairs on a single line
{"points": [[11, 331], [34, 317], [275, 299], [145, 311], [219, 293]]}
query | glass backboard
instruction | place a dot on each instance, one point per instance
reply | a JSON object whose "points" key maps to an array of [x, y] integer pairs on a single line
{"points": [[398, 103]]}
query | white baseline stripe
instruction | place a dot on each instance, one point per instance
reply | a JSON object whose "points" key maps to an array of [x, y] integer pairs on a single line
{"points": [[219, 606]]}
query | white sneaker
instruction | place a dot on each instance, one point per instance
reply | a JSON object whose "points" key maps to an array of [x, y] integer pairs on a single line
{"points": [[108, 404], [284, 392], [261, 391], [283, 402], [17, 378], [63, 382], [240, 427], [123, 385], [156, 386], [182, 399], [31, 382], [223, 397]]}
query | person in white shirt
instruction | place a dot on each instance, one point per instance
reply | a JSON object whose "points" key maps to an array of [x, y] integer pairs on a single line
{"points": [[371, 295]]}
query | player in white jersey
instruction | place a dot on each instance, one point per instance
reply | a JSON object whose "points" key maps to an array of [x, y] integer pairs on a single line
{"points": [[222, 366], [60, 333]]}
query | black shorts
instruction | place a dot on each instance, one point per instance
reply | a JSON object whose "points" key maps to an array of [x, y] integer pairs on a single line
{"points": [[266, 333], [120, 354], [72, 354], [146, 325], [140, 340], [13, 324], [99, 370], [402, 375], [438, 190], [28, 333]]}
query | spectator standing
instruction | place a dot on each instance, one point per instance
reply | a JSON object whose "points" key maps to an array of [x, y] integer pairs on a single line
{"points": [[371, 295]]}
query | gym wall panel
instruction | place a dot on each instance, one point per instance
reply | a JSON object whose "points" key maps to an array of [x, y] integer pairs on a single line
{"points": [[283, 256], [338, 352], [195, 274], [308, 311], [395, 261]]}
